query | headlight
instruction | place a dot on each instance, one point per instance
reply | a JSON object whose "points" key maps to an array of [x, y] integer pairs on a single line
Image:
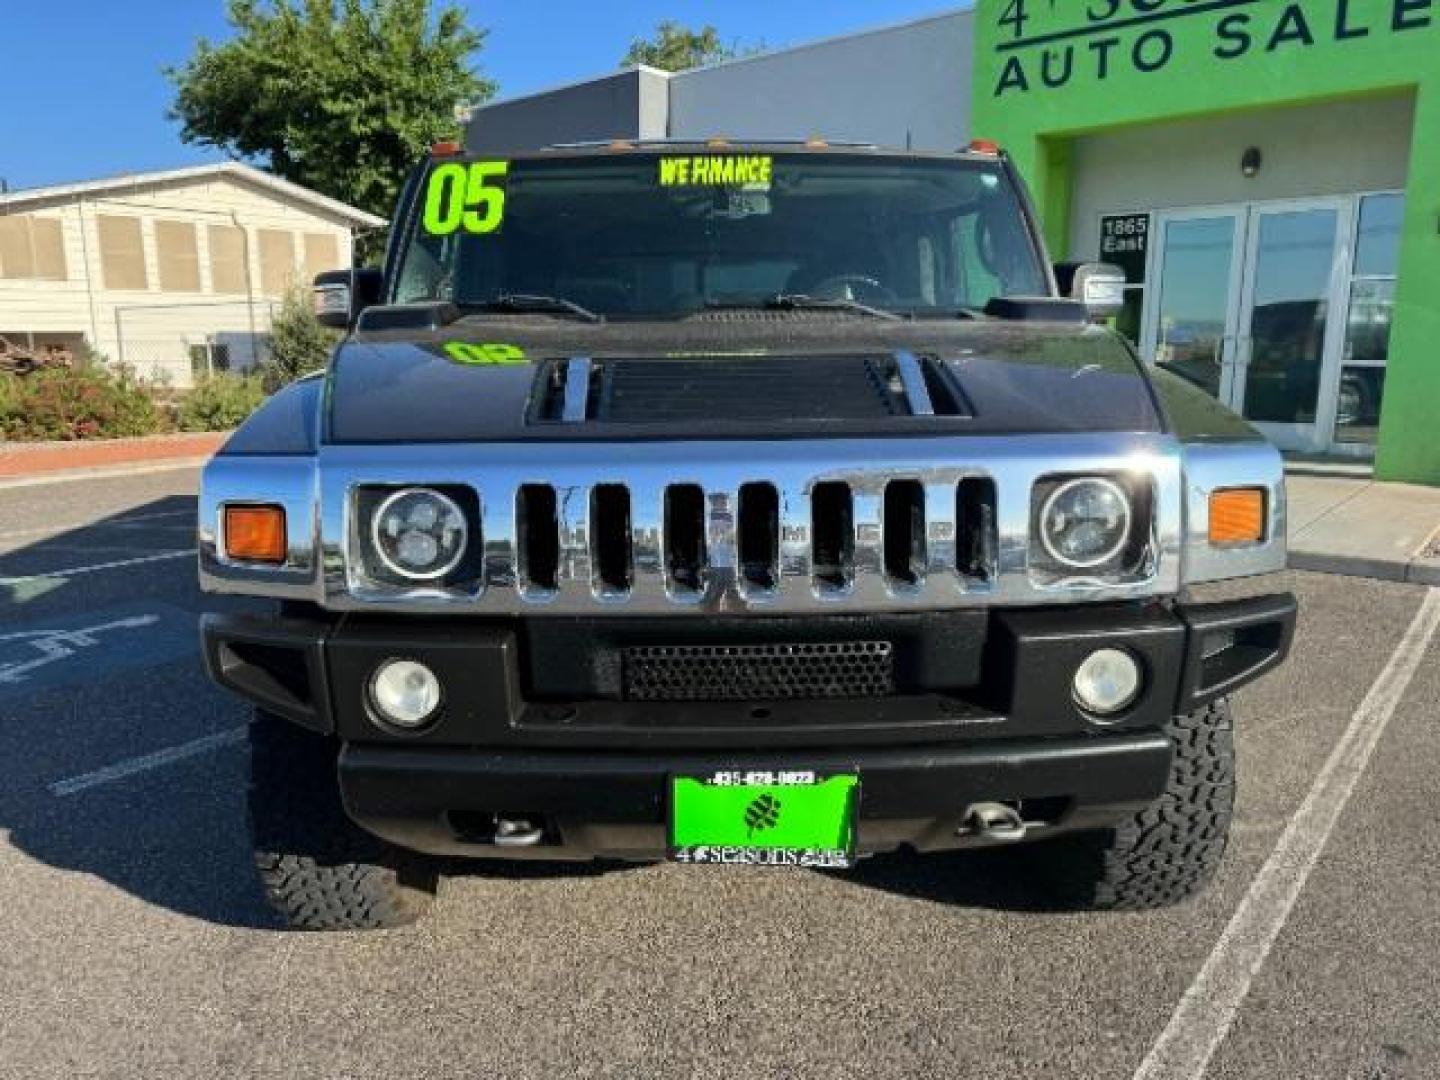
{"points": [[419, 534], [1085, 522]]}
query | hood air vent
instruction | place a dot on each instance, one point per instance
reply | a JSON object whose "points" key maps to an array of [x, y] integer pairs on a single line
{"points": [[772, 389]]}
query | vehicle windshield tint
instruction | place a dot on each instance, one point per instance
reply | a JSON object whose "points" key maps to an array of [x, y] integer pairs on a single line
{"points": [[670, 235]]}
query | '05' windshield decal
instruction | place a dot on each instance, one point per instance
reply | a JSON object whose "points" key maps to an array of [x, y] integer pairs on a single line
{"points": [[469, 196]]}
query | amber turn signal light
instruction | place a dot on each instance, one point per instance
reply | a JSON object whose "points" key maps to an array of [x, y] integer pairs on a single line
{"points": [[1237, 516], [255, 533]]}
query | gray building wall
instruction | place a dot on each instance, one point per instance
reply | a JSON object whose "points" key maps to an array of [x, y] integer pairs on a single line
{"points": [[630, 104], [892, 86]]}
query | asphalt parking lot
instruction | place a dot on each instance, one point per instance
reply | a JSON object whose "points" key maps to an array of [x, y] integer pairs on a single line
{"points": [[133, 941]]}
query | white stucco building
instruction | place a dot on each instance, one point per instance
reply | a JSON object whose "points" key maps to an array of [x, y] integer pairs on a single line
{"points": [[172, 272]]}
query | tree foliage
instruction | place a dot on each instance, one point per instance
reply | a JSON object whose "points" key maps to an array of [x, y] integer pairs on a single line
{"points": [[674, 47], [220, 401], [342, 96], [299, 344]]}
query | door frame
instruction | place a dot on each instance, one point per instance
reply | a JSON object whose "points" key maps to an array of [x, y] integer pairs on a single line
{"points": [[1150, 317], [1318, 436]]}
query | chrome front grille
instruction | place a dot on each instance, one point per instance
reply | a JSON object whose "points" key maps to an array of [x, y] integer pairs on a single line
{"points": [[659, 527], [686, 546]]}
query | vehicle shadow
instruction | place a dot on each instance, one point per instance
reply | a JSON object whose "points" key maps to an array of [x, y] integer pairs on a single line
{"points": [[995, 879], [173, 832], [119, 761]]}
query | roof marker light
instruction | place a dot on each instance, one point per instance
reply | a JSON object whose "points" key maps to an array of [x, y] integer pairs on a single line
{"points": [[984, 146], [447, 148]]}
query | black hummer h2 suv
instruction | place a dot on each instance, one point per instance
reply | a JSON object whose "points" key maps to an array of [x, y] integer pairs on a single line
{"points": [[757, 504]]}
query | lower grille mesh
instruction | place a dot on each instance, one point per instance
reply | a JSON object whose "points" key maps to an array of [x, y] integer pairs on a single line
{"points": [[846, 669]]}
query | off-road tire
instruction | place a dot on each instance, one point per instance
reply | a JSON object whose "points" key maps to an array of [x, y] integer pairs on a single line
{"points": [[1170, 850], [319, 869]]}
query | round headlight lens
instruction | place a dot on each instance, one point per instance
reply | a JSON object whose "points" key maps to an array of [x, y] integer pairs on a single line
{"points": [[419, 534], [1085, 522], [1107, 681], [405, 692]]}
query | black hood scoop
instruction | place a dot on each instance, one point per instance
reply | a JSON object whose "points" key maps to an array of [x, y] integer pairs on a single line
{"points": [[769, 389], [557, 380]]}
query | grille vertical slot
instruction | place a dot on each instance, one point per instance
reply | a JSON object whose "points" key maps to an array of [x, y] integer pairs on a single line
{"points": [[832, 522], [977, 540], [537, 529], [758, 538], [610, 540], [685, 555], [904, 532]]}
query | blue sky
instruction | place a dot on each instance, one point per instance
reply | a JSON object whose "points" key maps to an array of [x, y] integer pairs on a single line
{"points": [[85, 97]]}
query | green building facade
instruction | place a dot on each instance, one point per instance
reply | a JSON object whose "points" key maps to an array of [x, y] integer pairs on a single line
{"points": [[1268, 174]]}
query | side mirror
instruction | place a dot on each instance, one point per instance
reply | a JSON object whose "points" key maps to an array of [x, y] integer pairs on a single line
{"points": [[1101, 288], [341, 295]]}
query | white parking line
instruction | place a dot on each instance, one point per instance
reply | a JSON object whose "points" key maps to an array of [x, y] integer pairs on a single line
{"points": [[171, 754], [1204, 1015], [103, 523], [74, 571]]}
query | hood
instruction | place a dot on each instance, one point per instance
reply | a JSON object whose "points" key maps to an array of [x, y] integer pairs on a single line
{"points": [[733, 375]]}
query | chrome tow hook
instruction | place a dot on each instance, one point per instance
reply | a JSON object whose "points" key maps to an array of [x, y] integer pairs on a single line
{"points": [[517, 832], [993, 821]]}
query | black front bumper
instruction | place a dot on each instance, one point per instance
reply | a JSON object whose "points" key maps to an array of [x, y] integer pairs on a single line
{"points": [[997, 724]]}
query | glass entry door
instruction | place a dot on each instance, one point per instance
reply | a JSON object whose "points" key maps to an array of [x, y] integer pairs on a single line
{"points": [[1246, 308], [1190, 327]]}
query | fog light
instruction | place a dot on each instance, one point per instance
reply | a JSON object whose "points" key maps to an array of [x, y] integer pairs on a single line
{"points": [[404, 692], [1107, 681]]}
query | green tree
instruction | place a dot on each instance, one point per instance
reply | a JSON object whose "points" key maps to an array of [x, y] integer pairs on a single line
{"points": [[678, 48], [339, 95], [299, 344]]}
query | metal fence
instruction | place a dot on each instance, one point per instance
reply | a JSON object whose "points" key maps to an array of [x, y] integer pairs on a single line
{"points": [[174, 344]]}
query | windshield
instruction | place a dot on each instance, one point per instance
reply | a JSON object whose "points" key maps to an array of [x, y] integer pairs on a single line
{"points": [[668, 235]]}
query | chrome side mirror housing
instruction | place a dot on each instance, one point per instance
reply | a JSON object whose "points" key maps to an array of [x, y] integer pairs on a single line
{"points": [[1101, 288], [339, 296]]}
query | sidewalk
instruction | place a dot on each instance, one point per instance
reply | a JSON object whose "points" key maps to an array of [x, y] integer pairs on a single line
{"points": [[23, 460], [1358, 526]]}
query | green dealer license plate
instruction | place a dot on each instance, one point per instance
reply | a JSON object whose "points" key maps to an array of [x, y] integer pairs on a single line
{"points": [[764, 818]]}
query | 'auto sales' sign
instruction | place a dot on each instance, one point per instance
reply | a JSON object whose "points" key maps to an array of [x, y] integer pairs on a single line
{"points": [[1097, 39]]}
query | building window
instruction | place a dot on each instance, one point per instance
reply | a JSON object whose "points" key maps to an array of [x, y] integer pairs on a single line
{"points": [[321, 254], [208, 358], [178, 256], [32, 247], [122, 253], [227, 259], [1367, 327], [277, 261]]}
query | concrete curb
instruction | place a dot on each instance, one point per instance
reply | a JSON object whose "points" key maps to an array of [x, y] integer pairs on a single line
{"points": [[27, 460], [65, 476], [1418, 571]]}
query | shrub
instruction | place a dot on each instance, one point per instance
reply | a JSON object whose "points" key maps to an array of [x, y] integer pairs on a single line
{"points": [[77, 403], [299, 344], [219, 402]]}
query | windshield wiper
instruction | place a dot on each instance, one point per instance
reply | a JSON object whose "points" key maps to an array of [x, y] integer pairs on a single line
{"points": [[802, 302], [556, 305]]}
